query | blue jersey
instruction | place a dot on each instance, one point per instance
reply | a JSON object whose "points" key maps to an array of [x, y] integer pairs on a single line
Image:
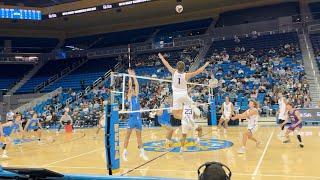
{"points": [[164, 118], [135, 121], [135, 106], [33, 124], [17, 125], [7, 130]]}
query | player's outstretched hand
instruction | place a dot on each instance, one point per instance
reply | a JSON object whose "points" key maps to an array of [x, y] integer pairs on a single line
{"points": [[207, 63], [131, 72], [160, 55]]}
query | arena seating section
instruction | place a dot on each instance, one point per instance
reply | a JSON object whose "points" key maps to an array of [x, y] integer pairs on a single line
{"points": [[30, 45], [289, 59], [315, 10], [50, 69], [11, 73], [88, 72], [315, 39], [257, 14], [148, 64], [139, 35]]}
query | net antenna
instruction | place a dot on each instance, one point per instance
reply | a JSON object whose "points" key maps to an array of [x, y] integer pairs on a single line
{"points": [[124, 76], [129, 55]]}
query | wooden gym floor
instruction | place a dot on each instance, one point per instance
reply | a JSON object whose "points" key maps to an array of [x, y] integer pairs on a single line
{"points": [[79, 153]]}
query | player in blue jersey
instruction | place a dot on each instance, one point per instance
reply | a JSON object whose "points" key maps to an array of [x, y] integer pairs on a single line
{"points": [[3, 141], [34, 125], [296, 123], [135, 121], [164, 119], [12, 125]]}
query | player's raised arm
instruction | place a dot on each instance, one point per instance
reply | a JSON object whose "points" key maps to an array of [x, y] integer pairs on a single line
{"points": [[166, 64], [129, 89], [135, 81], [245, 115], [196, 72]]}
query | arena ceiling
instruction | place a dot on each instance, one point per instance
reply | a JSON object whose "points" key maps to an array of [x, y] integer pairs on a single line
{"points": [[35, 3], [148, 14]]}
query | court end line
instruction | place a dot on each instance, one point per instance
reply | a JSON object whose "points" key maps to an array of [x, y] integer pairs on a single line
{"points": [[262, 155]]}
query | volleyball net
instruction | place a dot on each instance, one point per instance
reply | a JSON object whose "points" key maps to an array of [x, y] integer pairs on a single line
{"points": [[153, 91]]}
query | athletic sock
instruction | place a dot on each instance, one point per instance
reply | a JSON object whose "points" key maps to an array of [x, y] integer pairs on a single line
{"points": [[4, 146], [299, 138]]}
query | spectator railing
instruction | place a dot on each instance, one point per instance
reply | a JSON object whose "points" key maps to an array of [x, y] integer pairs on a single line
{"points": [[68, 101], [57, 106], [39, 100]]}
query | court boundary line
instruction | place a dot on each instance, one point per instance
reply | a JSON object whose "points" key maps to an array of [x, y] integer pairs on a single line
{"points": [[255, 172]]}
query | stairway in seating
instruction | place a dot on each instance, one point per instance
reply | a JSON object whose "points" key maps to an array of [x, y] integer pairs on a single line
{"points": [[310, 66], [66, 73], [27, 76]]}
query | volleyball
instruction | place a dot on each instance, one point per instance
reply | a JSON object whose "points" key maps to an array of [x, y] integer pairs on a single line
{"points": [[179, 8]]}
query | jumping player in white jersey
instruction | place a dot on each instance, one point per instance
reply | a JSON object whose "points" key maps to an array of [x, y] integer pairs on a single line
{"points": [[183, 108], [179, 85], [281, 112], [227, 110], [252, 115], [190, 113]]}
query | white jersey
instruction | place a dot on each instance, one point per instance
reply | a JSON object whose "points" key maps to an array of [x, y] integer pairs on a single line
{"points": [[227, 110], [10, 116], [252, 120], [102, 120], [282, 108], [187, 122], [179, 83]]}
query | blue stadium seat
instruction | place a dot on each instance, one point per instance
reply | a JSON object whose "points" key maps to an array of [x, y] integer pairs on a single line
{"points": [[88, 72], [257, 14], [50, 69], [11, 73]]}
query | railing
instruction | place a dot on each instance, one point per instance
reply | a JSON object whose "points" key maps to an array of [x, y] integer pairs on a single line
{"points": [[65, 71], [39, 100]]}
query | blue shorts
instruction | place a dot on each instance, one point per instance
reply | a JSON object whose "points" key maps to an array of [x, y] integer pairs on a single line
{"points": [[7, 131], [33, 128], [164, 122], [135, 123]]}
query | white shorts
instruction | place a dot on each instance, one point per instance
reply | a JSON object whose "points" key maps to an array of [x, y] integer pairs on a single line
{"points": [[253, 129], [102, 123], [226, 117], [188, 126], [179, 99]]}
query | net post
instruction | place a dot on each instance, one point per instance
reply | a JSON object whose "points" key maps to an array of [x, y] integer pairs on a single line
{"points": [[123, 90], [112, 87], [111, 138], [213, 113]]}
